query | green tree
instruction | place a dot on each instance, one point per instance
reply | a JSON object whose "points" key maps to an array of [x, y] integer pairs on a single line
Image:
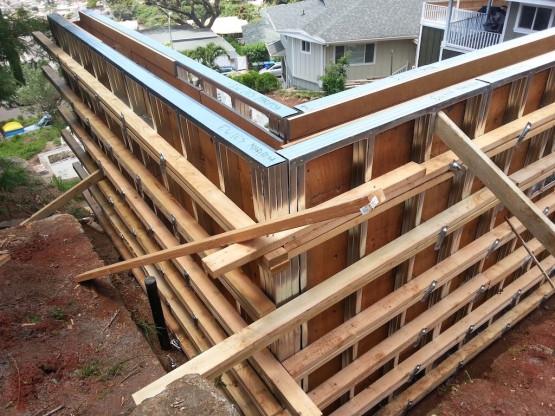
{"points": [[334, 77], [255, 52], [201, 12], [37, 91], [14, 28], [207, 55], [123, 9], [245, 11]]}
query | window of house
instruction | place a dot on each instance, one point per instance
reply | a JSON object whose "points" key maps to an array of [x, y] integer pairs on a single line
{"points": [[305, 46], [532, 18], [359, 54]]}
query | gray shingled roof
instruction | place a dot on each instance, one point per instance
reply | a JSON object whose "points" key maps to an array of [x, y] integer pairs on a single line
{"points": [[335, 21]]}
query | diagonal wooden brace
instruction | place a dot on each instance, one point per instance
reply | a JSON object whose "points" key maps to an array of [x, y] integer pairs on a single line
{"points": [[504, 189]]}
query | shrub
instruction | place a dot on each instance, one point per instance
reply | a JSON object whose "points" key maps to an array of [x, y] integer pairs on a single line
{"points": [[333, 80], [12, 175], [266, 82], [262, 83]]}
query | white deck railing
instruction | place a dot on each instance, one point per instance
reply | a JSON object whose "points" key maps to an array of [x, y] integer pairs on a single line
{"points": [[438, 14], [404, 68], [472, 39], [467, 27]]}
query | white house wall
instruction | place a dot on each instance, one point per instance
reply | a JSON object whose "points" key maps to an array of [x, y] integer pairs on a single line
{"points": [[305, 68], [403, 51]]}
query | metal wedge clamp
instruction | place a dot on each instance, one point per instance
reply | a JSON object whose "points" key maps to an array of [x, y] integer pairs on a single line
{"points": [[421, 334], [440, 238], [480, 290], [413, 373], [468, 333], [428, 291], [523, 134], [456, 168]]}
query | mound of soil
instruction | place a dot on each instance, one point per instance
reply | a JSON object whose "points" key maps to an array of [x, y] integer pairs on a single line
{"points": [[65, 346]]}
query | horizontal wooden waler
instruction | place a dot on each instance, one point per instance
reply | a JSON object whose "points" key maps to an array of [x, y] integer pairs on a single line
{"points": [[332, 258]]}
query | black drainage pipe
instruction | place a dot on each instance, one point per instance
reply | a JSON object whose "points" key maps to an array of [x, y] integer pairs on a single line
{"points": [[157, 313]]}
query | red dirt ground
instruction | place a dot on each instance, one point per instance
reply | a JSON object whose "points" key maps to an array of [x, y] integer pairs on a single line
{"points": [[515, 376], [58, 348]]}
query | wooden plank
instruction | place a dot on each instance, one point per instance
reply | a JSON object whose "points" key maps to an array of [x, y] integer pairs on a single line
{"points": [[492, 143], [381, 312], [65, 197], [394, 379], [302, 218], [237, 255], [208, 196], [184, 303], [379, 355], [450, 365], [280, 382], [4, 257], [507, 192]]}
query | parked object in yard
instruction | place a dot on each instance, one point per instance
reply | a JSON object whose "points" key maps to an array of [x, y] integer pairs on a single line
{"points": [[11, 129], [275, 69], [45, 121]]}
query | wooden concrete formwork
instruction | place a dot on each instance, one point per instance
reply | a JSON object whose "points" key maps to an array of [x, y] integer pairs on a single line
{"points": [[358, 306]]}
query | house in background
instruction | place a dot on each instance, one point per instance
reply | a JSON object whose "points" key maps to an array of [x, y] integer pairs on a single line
{"points": [[477, 24], [379, 35], [185, 38]]}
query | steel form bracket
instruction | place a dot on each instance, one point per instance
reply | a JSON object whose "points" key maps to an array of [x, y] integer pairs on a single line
{"points": [[480, 290], [421, 334], [492, 248], [457, 168], [429, 290], [413, 373], [515, 298], [440, 238], [522, 135], [162, 164], [468, 332]]}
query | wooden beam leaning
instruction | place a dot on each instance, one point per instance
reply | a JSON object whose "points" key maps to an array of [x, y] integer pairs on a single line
{"points": [[302, 218], [65, 197], [391, 183], [508, 193]]}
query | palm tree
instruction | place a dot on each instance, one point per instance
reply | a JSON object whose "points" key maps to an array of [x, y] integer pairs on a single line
{"points": [[207, 55]]}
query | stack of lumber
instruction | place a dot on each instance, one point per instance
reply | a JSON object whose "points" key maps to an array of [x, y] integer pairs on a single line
{"points": [[347, 255]]}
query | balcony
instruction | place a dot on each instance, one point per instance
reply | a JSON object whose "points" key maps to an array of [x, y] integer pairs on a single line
{"points": [[467, 27]]}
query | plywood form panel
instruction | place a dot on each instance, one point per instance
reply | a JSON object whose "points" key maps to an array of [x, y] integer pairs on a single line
{"points": [[537, 91]]}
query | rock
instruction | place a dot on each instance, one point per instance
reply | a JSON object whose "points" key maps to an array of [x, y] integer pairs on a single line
{"points": [[191, 395]]}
